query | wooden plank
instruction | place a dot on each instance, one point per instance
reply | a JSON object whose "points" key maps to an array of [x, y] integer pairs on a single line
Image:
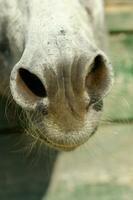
{"points": [[114, 8], [109, 2], [103, 168], [119, 15], [120, 21], [119, 102]]}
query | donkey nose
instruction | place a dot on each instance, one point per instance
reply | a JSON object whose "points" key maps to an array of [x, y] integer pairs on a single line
{"points": [[28, 88]]}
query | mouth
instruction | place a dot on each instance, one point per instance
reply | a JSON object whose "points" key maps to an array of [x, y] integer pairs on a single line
{"points": [[50, 134], [58, 146], [64, 146]]}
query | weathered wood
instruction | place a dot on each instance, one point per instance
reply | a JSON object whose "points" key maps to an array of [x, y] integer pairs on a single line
{"points": [[110, 2], [120, 21], [119, 15], [104, 168], [119, 102]]}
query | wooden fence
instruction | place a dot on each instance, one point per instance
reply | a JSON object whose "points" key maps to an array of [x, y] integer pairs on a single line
{"points": [[119, 18]]}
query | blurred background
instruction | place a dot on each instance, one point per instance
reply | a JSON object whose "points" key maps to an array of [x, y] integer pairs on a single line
{"points": [[103, 168]]}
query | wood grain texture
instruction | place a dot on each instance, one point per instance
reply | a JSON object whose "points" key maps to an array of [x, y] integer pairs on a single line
{"points": [[115, 2], [119, 102], [119, 15], [120, 22]]}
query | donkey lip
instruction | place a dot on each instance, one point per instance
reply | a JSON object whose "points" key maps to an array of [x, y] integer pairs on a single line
{"points": [[60, 146]]}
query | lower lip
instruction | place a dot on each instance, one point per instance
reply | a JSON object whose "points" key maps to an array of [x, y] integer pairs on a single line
{"points": [[59, 146]]}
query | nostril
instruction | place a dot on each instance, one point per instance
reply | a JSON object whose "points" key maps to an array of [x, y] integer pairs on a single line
{"points": [[98, 80], [32, 83]]}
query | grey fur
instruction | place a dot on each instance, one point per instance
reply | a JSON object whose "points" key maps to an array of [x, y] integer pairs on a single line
{"points": [[58, 41]]}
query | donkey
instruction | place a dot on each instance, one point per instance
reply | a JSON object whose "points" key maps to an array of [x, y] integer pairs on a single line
{"points": [[53, 59]]}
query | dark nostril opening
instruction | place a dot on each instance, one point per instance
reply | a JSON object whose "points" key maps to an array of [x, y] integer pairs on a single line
{"points": [[32, 82], [98, 80]]}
